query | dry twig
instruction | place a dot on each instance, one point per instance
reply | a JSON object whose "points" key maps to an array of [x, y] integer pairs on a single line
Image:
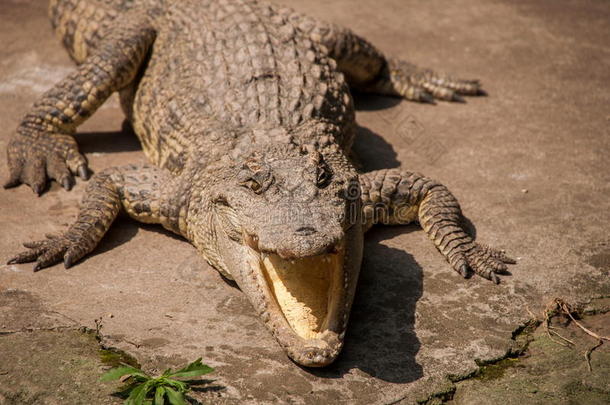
{"points": [[549, 312], [560, 306]]}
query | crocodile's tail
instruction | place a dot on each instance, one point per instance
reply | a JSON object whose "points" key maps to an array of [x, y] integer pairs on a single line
{"points": [[81, 24]]}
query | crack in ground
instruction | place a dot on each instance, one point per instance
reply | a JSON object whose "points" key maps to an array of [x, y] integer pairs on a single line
{"points": [[493, 368], [520, 340]]}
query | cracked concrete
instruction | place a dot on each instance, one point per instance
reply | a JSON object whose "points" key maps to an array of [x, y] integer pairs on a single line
{"points": [[45, 359], [528, 163], [547, 372]]}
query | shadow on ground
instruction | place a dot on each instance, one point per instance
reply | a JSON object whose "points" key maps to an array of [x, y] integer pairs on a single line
{"points": [[124, 140], [381, 339]]}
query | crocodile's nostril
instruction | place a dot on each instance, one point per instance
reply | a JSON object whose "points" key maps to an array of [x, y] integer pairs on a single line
{"points": [[305, 231]]}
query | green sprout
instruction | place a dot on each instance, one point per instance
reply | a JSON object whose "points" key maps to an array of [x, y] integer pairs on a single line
{"points": [[144, 389]]}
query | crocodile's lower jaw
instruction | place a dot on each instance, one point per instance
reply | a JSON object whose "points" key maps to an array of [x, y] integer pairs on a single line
{"points": [[308, 296]]}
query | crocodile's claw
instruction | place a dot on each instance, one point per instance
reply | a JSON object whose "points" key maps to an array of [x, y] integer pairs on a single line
{"points": [[34, 158], [424, 85], [485, 261], [54, 249]]}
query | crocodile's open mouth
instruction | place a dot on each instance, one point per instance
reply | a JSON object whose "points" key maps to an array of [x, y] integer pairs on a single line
{"points": [[306, 290]]}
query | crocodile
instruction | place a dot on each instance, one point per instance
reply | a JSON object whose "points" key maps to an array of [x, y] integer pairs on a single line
{"points": [[244, 111]]}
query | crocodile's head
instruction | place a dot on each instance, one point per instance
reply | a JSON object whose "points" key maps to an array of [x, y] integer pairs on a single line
{"points": [[287, 230]]}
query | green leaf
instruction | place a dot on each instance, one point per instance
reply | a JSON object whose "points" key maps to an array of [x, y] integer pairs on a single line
{"points": [[178, 385], [119, 372], [131, 400], [194, 369], [138, 395], [160, 396], [175, 398]]}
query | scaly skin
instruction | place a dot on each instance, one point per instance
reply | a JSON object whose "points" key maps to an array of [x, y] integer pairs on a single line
{"points": [[244, 111]]}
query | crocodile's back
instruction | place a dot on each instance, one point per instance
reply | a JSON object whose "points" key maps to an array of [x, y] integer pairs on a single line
{"points": [[241, 64]]}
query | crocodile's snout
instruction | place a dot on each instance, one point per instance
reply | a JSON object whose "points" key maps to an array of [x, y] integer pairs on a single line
{"points": [[300, 243]]}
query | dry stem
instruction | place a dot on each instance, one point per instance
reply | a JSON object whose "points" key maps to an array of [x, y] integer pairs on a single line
{"points": [[559, 306]]}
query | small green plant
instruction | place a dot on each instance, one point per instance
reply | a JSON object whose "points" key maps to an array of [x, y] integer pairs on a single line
{"points": [[144, 389]]}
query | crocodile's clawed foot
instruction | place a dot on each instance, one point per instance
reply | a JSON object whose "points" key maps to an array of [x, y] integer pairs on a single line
{"points": [[425, 85], [34, 159], [483, 260], [52, 250]]}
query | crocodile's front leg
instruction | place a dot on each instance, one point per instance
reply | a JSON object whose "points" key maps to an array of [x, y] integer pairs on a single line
{"points": [[393, 197], [44, 146], [147, 193]]}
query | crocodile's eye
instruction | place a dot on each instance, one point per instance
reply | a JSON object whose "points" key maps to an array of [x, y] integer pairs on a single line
{"points": [[253, 185], [323, 176], [255, 176]]}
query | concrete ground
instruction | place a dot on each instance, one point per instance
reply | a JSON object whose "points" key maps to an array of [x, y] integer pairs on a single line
{"points": [[528, 163]]}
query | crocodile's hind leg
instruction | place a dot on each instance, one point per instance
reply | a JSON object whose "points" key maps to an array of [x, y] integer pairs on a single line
{"points": [[146, 193], [44, 146], [394, 197], [368, 70]]}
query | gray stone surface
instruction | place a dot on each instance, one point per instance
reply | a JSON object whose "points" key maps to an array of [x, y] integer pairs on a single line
{"points": [[528, 163]]}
